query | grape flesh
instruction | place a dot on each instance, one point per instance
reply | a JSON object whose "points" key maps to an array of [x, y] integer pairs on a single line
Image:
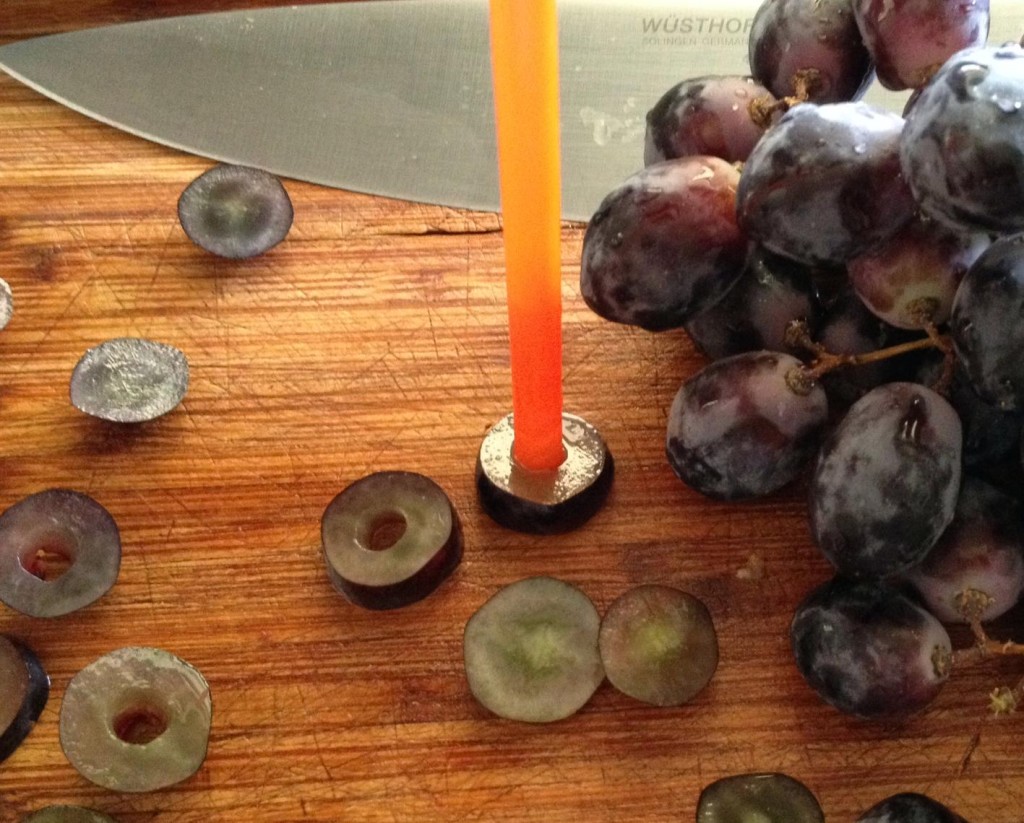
{"points": [[739, 428], [705, 115], [765, 798], [909, 41], [789, 36], [912, 278], [962, 150], [664, 245], [983, 550], [824, 185], [886, 482], [869, 650], [909, 807], [985, 324], [754, 314]]}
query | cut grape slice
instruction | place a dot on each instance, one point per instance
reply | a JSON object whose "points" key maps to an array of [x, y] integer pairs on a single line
{"points": [[531, 651], [758, 798], [68, 814], [910, 808], [136, 720], [390, 539], [24, 690], [129, 380], [235, 211], [60, 550], [6, 304], [658, 644]]}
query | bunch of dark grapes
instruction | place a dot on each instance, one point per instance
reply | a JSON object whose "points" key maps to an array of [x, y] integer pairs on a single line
{"points": [[859, 287]]}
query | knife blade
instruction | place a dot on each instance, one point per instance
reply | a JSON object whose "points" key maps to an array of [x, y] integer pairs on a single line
{"points": [[393, 97]]}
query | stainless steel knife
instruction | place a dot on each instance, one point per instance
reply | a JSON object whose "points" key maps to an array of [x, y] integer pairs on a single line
{"points": [[393, 97]]}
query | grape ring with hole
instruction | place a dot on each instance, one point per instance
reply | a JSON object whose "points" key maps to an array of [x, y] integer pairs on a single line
{"points": [[60, 550], [24, 690], [136, 720], [390, 539], [68, 814]]}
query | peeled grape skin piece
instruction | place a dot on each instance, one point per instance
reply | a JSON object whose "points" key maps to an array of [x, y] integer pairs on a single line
{"points": [[412, 564], [24, 691], [664, 245], [136, 679], [129, 380], [738, 429], [824, 184], [235, 211], [758, 798], [886, 481], [962, 151], [67, 814], [910, 807], [658, 645], [868, 650], [72, 524], [985, 324], [531, 651]]}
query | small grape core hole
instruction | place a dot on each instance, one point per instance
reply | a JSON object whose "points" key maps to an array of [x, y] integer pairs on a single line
{"points": [[47, 561], [385, 531], [139, 725]]}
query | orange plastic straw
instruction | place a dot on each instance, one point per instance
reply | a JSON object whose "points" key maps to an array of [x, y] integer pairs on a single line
{"points": [[524, 52]]}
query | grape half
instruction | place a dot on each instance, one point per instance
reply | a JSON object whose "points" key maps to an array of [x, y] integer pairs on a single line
{"points": [[868, 650], [24, 690], [886, 482], [910, 808], [531, 651], [758, 798], [67, 814], [744, 426]]}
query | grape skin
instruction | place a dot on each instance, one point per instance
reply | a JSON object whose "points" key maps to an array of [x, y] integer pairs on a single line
{"points": [[737, 429], [962, 150], [824, 185], [705, 115], [886, 482], [983, 549], [910, 40], [788, 36], [985, 324], [868, 650], [664, 245]]}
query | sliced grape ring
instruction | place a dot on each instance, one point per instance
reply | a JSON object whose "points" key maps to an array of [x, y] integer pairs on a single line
{"points": [[136, 720], [658, 645], [24, 690], [531, 651], [60, 550], [390, 539]]}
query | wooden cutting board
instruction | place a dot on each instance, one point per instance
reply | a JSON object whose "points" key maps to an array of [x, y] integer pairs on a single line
{"points": [[374, 338]]}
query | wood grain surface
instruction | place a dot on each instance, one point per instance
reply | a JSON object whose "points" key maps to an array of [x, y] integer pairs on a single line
{"points": [[375, 338]]}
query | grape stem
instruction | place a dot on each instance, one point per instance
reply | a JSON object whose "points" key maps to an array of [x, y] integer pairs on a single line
{"points": [[972, 603], [762, 110], [798, 335]]}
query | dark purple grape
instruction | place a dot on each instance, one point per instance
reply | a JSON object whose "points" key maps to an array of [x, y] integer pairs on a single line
{"points": [[531, 651], [24, 690], [886, 481], [705, 115], [986, 326], [390, 539], [789, 36], [982, 549], [235, 211], [136, 720], [664, 245], [910, 280], [962, 150], [658, 644], [754, 314], [868, 650], [745, 426], [910, 39], [764, 798], [824, 185], [910, 808], [60, 550]]}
